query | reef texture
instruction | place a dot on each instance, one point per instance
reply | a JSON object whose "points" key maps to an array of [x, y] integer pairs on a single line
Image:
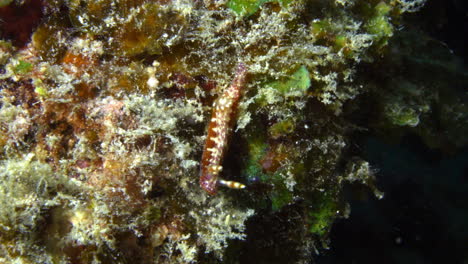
{"points": [[104, 112]]}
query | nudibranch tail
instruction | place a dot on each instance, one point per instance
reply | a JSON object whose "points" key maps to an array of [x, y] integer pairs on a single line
{"points": [[219, 128]]}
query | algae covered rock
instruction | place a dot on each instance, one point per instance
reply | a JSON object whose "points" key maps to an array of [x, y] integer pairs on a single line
{"points": [[103, 117]]}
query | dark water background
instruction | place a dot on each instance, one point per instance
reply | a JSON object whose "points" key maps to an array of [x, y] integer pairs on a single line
{"points": [[424, 215]]}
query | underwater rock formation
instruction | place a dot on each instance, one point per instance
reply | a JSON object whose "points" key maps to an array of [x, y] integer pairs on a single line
{"points": [[103, 118]]}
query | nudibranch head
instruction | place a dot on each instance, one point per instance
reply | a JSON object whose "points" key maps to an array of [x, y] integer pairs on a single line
{"points": [[209, 183]]}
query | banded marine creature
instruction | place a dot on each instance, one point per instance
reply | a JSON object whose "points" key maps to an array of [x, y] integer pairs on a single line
{"points": [[219, 129]]}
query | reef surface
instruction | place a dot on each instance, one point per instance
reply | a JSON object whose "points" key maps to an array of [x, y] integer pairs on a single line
{"points": [[104, 107]]}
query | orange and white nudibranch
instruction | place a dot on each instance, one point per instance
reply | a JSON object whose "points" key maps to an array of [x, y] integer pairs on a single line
{"points": [[219, 128]]}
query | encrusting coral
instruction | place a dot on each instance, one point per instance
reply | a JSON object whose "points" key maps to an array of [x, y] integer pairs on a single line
{"points": [[103, 119]]}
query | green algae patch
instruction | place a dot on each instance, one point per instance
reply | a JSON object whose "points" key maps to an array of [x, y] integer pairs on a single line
{"points": [[23, 67], [249, 7], [299, 81], [402, 116], [379, 24], [245, 7], [322, 215], [41, 91], [281, 195], [340, 42], [257, 168], [282, 128]]}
